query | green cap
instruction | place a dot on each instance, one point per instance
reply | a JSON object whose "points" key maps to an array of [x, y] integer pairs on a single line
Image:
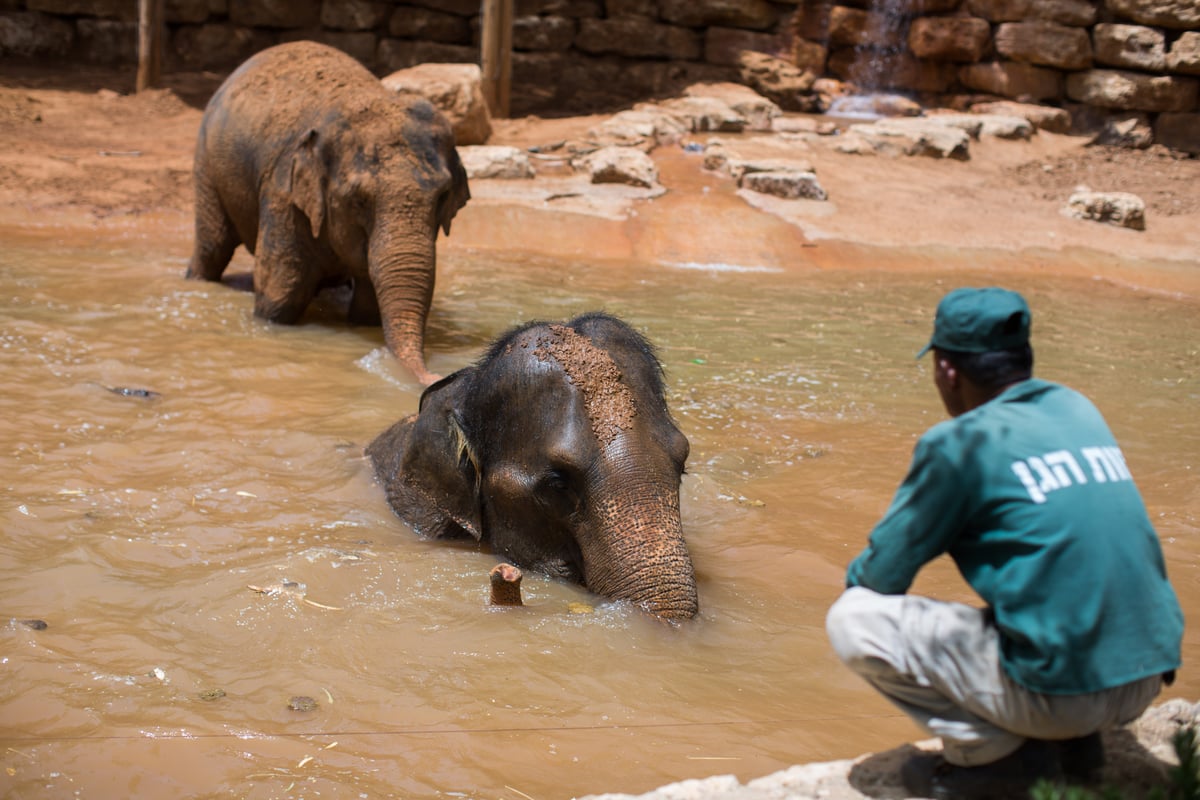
{"points": [[980, 321]]}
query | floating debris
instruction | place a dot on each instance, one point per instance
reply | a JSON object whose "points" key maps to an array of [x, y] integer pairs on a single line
{"points": [[290, 589], [127, 391], [580, 608], [208, 695], [302, 703], [33, 624]]}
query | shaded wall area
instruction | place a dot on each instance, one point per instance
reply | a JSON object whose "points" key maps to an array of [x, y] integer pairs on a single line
{"points": [[569, 55], [1130, 66]]}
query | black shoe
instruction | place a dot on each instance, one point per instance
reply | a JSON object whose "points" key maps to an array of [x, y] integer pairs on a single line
{"points": [[1013, 776], [1082, 758]]}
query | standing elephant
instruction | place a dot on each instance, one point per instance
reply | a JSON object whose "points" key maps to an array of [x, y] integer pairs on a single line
{"points": [[558, 449], [327, 178]]}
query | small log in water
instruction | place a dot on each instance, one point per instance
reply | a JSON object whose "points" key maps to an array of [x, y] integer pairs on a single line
{"points": [[506, 585]]}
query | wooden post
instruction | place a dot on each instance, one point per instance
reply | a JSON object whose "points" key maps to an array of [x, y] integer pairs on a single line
{"points": [[150, 48], [496, 56]]}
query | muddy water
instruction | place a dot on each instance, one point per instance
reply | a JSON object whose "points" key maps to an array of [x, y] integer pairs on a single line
{"points": [[134, 526]]}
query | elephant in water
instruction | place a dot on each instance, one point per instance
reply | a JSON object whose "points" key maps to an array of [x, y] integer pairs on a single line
{"points": [[557, 449], [327, 178]]}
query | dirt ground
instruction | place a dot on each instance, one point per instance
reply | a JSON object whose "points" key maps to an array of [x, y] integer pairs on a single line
{"points": [[82, 150]]}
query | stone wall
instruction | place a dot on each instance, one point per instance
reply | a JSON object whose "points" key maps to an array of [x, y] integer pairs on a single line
{"points": [[569, 55], [1127, 66]]}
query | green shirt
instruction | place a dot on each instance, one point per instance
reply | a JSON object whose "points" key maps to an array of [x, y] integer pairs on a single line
{"points": [[1030, 495]]}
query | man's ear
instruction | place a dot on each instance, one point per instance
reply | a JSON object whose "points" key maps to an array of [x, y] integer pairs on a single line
{"points": [[949, 371]]}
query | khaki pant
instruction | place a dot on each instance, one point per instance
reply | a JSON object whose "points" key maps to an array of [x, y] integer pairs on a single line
{"points": [[940, 664]]}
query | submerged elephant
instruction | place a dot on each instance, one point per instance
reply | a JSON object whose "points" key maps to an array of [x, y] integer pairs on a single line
{"points": [[327, 178], [558, 449]]}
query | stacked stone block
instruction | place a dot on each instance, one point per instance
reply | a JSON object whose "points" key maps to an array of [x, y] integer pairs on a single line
{"points": [[1132, 63]]}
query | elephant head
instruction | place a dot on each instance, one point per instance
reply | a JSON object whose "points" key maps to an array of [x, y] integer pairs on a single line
{"points": [[558, 449], [377, 182]]}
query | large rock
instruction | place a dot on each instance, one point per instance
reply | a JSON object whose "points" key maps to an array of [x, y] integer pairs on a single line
{"points": [[1132, 46], [482, 161], [1116, 208], [757, 111], [1132, 90], [1184, 56], [1046, 118], [627, 165], [1165, 13], [644, 126], [914, 136], [1179, 132], [949, 38], [976, 124], [703, 114], [782, 83], [1045, 43], [456, 90], [1131, 129], [1013, 79], [789, 185], [1079, 13]]}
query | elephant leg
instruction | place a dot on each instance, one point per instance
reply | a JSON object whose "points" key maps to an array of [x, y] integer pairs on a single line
{"points": [[216, 236], [364, 305], [287, 275]]}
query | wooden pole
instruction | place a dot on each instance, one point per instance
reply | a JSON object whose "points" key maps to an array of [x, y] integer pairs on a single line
{"points": [[150, 47], [496, 55]]}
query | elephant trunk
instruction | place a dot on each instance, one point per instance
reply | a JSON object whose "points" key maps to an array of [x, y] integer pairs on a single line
{"points": [[402, 273], [641, 556]]}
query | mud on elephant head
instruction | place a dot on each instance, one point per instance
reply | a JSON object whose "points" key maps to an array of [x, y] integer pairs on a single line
{"points": [[558, 449], [328, 178]]}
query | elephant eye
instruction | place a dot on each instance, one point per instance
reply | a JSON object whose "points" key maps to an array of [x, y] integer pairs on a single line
{"points": [[557, 480]]}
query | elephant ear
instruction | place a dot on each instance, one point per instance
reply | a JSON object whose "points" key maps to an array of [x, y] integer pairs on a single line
{"points": [[456, 194], [308, 181], [428, 466]]}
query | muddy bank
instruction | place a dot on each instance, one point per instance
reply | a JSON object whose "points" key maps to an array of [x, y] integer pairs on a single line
{"points": [[83, 154]]}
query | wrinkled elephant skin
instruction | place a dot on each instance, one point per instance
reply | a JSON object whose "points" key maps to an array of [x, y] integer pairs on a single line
{"points": [[557, 448], [328, 179]]}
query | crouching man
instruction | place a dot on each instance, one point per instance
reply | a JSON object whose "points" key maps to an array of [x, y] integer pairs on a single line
{"points": [[1026, 490]]}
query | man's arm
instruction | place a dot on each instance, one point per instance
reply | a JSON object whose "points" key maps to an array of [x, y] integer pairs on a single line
{"points": [[923, 520]]}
